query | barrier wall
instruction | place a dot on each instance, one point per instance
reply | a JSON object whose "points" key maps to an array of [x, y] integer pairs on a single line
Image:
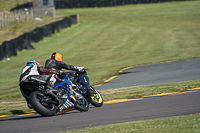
{"points": [[62, 4], [10, 48]]}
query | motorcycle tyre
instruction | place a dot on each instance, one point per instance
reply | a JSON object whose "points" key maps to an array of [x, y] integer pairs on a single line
{"points": [[81, 108], [93, 102], [39, 108]]}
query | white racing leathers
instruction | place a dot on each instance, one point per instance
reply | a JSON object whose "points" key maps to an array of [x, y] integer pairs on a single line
{"points": [[33, 72]]}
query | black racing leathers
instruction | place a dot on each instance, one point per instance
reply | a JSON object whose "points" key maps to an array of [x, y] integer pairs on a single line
{"points": [[58, 65]]}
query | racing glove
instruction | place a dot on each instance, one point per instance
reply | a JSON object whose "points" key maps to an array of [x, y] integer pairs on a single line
{"points": [[54, 71], [81, 69], [49, 71]]}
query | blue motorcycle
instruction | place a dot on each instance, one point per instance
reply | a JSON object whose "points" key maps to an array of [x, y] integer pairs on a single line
{"points": [[81, 84], [71, 98], [53, 102]]}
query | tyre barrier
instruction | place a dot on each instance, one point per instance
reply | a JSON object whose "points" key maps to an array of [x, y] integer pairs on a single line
{"points": [[10, 48]]}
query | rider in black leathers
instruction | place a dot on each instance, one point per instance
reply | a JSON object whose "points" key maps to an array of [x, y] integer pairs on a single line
{"points": [[56, 62]]}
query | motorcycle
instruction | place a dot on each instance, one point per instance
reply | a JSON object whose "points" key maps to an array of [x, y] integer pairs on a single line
{"points": [[81, 84], [54, 102]]}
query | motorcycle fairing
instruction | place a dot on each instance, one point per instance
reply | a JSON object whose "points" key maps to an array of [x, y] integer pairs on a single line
{"points": [[85, 80]]}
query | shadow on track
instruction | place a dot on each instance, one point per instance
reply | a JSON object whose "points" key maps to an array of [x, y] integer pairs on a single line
{"points": [[31, 116]]}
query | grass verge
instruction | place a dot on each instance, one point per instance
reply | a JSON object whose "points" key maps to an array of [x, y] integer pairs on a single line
{"points": [[6, 5], [182, 124], [111, 38]]}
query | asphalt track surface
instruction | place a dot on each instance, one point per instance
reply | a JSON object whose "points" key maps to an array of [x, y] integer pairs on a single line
{"points": [[176, 71], [137, 109]]}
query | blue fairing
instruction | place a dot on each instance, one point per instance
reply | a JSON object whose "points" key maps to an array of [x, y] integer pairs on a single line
{"points": [[87, 82], [70, 101], [65, 80]]}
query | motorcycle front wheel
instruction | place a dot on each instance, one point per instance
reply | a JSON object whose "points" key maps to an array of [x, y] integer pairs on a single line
{"points": [[96, 98], [38, 103], [81, 103]]}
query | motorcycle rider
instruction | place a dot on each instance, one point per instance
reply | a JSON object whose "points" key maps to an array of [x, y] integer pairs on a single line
{"points": [[56, 62], [33, 71]]}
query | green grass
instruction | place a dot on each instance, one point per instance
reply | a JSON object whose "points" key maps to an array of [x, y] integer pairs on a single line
{"points": [[14, 30], [108, 39], [6, 5], [147, 90], [183, 124]]}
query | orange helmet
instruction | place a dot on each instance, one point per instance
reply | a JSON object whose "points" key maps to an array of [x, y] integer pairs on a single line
{"points": [[57, 56]]}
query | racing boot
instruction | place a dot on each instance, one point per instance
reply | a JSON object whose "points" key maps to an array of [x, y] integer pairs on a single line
{"points": [[29, 105]]}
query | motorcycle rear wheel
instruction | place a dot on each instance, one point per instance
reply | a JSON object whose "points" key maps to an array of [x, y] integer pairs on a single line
{"points": [[35, 100]]}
